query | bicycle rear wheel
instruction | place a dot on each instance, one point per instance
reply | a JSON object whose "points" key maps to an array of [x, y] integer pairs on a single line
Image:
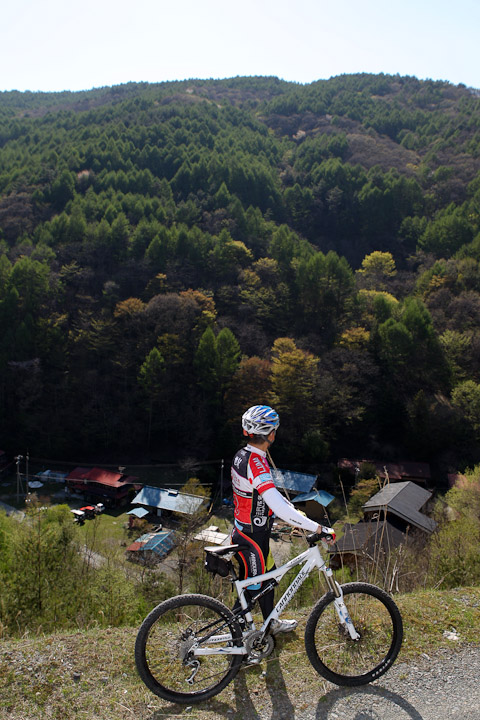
{"points": [[165, 643], [330, 648]]}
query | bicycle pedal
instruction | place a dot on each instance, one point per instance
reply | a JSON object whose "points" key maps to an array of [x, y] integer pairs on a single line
{"points": [[250, 662]]}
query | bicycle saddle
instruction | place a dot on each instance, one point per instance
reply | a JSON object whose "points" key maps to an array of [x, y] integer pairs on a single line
{"points": [[220, 550]]}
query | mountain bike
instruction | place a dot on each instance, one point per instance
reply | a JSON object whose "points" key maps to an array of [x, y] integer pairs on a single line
{"points": [[190, 647]]}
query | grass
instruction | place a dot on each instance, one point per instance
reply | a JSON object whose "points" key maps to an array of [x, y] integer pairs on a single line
{"points": [[109, 526], [90, 674]]}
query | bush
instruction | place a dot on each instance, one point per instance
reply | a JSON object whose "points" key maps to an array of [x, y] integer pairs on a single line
{"points": [[48, 583], [362, 492], [454, 556]]}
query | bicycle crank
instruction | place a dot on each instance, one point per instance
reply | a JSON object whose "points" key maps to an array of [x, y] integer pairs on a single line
{"points": [[258, 646]]}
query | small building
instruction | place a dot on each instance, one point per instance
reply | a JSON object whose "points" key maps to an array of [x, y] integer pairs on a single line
{"points": [[391, 517], [97, 484], [157, 500], [212, 536], [313, 504], [403, 500], [293, 483], [151, 548], [137, 513], [51, 476], [365, 540], [299, 488], [394, 472]]}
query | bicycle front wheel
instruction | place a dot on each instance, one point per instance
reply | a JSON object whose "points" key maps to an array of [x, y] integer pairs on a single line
{"points": [[165, 644], [330, 648]]}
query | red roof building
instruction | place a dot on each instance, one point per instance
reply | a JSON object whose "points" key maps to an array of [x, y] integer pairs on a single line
{"points": [[400, 471], [113, 488]]}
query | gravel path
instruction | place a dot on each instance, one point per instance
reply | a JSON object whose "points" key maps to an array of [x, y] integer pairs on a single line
{"points": [[442, 686]]}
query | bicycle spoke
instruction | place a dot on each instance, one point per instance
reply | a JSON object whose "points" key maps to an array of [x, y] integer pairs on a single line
{"points": [[353, 662], [166, 643]]}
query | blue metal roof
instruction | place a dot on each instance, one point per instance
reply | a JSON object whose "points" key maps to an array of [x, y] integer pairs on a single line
{"points": [[51, 475], [160, 543], [138, 512], [168, 500], [320, 496], [293, 481]]}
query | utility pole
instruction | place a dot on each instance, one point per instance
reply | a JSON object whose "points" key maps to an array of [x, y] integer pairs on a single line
{"points": [[19, 481], [27, 488], [221, 481]]}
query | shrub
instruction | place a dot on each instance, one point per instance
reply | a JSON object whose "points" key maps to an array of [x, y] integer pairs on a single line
{"points": [[454, 557]]}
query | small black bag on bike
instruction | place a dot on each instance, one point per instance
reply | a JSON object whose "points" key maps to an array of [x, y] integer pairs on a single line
{"points": [[217, 565]]}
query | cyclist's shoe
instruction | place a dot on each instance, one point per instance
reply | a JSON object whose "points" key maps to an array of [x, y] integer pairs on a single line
{"points": [[279, 626]]}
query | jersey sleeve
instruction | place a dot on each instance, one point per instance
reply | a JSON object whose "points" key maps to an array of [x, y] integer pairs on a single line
{"points": [[286, 511], [259, 474]]}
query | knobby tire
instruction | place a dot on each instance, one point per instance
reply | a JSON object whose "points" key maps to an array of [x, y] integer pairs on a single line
{"points": [[163, 644], [344, 661]]}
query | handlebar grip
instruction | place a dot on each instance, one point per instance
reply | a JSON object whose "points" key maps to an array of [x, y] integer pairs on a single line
{"points": [[327, 534]]}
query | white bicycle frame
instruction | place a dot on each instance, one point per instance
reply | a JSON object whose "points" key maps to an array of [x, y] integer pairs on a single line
{"points": [[311, 559]]}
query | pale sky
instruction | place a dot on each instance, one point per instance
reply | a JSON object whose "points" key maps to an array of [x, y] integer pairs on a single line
{"points": [[59, 45]]}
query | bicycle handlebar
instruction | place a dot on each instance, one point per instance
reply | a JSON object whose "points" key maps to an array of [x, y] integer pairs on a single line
{"points": [[327, 534]]}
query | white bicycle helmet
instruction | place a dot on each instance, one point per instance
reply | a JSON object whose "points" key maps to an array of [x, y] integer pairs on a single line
{"points": [[260, 420]]}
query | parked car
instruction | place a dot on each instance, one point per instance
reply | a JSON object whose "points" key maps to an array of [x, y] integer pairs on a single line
{"points": [[92, 510], [78, 516], [87, 512]]}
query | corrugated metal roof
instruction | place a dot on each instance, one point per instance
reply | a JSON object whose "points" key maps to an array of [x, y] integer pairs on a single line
{"points": [[212, 535], [293, 481], [160, 543], [404, 499], [105, 477], [51, 475], [168, 500], [134, 547], [138, 512], [366, 536], [320, 496]]}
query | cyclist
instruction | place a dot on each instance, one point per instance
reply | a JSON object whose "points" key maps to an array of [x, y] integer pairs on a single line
{"points": [[256, 502]]}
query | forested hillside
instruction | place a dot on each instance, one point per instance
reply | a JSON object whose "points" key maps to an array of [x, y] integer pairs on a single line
{"points": [[172, 253]]}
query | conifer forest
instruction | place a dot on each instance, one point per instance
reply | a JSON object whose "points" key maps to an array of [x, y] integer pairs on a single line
{"points": [[173, 253]]}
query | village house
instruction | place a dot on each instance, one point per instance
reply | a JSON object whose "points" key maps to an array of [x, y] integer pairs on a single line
{"points": [[417, 472], [153, 503], [151, 548], [160, 500], [391, 517], [99, 485]]}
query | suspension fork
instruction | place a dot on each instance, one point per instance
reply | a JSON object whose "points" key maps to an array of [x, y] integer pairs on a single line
{"points": [[332, 584], [340, 606]]}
